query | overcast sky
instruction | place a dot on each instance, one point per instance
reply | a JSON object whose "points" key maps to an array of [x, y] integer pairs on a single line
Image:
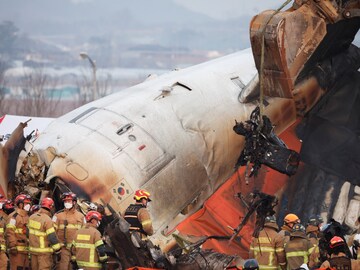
{"points": [[221, 9]]}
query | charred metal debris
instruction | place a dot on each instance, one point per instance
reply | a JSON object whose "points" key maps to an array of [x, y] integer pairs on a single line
{"points": [[263, 146]]}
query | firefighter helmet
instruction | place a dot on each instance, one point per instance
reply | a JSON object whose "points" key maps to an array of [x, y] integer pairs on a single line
{"points": [[93, 214], [336, 241], [271, 219], [291, 218], [142, 194], [47, 203], [315, 220], [251, 264], [8, 206], [68, 196], [22, 198], [298, 227]]}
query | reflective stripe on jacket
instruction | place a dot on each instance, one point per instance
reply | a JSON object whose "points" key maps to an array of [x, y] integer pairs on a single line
{"points": [[15, 233], [131, 216], [3, 220], [315, 255], [139, 218], [86, 246], [268, 248], [66, 223], [42, 236], [297, 251]]}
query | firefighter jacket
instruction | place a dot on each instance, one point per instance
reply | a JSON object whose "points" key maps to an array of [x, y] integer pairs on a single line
{"points": [[67, 222], [88, 249], [42, 236], [3, 221], [268, 248], [298, 250], [15, 233], [139, 219], [341, 262], [312, 234], [285, 231], [313, 230]]}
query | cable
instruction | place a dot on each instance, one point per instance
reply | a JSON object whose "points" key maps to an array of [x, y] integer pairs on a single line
{"points": [[262, 62]]}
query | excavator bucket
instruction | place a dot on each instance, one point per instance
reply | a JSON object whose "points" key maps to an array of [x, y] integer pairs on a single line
{"points": [[290, 38]]}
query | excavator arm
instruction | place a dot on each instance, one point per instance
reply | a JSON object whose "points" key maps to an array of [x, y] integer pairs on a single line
{"points": [[296, 40]]}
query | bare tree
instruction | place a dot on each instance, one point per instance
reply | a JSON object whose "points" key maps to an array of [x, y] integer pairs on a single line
{"points": [[85, 84], [104, 86], [3, 84], [39, 97]]}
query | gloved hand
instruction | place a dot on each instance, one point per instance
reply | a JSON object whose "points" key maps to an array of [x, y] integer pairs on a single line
{"points": [[13, 251], [58, 255], [103, 265], [74, 265], [103, 261]]}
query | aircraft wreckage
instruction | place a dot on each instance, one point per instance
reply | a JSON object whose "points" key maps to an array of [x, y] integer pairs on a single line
{"points": [[173, 135]]}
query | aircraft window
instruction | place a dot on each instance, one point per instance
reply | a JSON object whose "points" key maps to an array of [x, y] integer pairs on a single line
{"points": [[238, 82], [82, 114], [125, 128], [77, 171]]}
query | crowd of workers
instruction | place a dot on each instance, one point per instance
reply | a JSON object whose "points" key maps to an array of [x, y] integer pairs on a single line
{"points": [[32, 237], [294, 246]]}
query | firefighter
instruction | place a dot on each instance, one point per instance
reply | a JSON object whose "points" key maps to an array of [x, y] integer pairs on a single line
{"points": [[67, 221], [268, 248], [3, 220], [88, 249], [338, 258], [43, 241], [298, 248], [15, 233], [313, 228], [289, 221], [312, 232], [138, 216]]}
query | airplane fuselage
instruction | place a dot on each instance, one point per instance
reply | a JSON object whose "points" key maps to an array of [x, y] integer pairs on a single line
{"points": [[171, 135]]}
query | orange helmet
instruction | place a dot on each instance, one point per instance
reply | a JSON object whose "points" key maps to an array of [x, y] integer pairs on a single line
{"points": [[291, 218], [22, 198], [336, 241], [47, 203], [93, 214], [142, 194]]}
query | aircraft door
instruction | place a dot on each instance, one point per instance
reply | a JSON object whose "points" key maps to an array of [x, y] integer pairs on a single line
{"points": [[123, 136]]}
